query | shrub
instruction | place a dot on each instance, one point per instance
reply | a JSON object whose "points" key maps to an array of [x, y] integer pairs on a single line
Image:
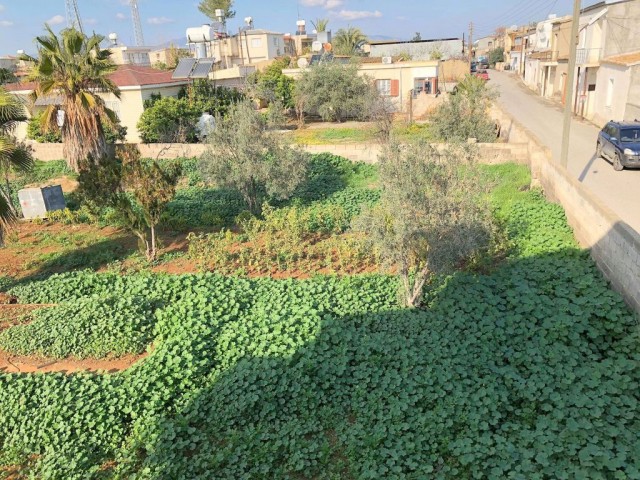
{"points": [[465, 113], [335, 91], [431, 214], [243, 154]]}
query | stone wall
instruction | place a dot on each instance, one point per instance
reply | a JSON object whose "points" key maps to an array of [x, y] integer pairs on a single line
{"points": [[613, 244]]}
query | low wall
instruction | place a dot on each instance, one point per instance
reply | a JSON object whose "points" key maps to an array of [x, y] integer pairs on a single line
{"points": [[47, 152], [613, 244], [490, 153]]}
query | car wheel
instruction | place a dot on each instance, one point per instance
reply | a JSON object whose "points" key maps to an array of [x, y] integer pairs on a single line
{"points": [[599, 150], [617, 163]]}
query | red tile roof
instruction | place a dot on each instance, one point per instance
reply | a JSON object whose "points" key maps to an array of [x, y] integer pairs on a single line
{"points": [[135, 75], [125, 76], [14, 87]]}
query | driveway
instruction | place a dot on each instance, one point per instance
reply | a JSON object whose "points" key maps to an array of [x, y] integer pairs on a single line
{"points": [[620, 191]]}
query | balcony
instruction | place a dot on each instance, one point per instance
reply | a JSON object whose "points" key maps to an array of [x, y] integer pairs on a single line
{"points": [[586, 56]]}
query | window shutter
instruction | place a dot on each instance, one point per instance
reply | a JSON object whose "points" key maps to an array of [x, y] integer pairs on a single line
{"points": [[395, 88]]}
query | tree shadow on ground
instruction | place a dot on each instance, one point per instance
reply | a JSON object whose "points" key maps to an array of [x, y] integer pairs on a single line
{"points": [[517, 373], [92, 257]]}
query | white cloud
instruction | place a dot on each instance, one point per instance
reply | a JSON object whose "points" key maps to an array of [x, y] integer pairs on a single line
{"points": [[160, 20], [121, 16], [5, 23], [56, 20], [328, 4], [1, 8], [332, 4], [357, 14]]}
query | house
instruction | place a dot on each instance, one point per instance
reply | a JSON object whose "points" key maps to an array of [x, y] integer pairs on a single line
{"points": [[482, 46], [419, 50], [136, 84], [522, 45], [123, 55], [249, 47], [619, 94], [605, 61], [405, 83]]}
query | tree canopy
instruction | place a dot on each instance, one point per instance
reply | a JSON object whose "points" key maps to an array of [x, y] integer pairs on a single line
{"points": [[209, 7], [347, 40], [75, 68]]}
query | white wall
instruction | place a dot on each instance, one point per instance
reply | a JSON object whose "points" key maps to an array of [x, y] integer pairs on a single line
{"points": [[621, 81]]}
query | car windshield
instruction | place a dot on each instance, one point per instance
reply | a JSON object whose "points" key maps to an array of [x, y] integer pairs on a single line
{"points": [[630, 135]]}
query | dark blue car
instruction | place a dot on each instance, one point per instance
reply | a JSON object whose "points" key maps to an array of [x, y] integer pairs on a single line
{"points": [[619, 142]]}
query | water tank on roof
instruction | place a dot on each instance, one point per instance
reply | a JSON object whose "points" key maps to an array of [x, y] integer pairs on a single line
{"points": [[203, 34]]}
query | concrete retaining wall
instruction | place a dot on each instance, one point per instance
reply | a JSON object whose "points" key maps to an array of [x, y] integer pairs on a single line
{"points": [[613, 244]]}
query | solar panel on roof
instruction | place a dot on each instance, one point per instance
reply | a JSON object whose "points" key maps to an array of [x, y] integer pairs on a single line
{"points": [[202, 69], [183, 70]]}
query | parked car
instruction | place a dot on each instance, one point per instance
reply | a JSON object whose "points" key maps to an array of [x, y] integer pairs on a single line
{"points": [[483, 74], [619, 142], [474, 67]]}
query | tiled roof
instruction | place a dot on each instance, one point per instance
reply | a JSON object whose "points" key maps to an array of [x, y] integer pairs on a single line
{"points": [[135, 76], [15, 87], [627, 59], [125, 76]]}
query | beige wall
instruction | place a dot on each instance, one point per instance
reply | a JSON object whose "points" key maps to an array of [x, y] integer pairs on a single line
{"points": [[621, 78], [250, 47]]}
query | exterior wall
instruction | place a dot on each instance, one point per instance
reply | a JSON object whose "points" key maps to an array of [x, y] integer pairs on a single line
{"points": [[561, 44], [620, 27], [9, 63], [453, 70], [131, 56], [621, 81], [632, 111], [404, 73], [419, 50], [252, 46]]}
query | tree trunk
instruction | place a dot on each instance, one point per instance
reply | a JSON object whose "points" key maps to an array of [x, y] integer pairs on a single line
{"points": [[83, 138], [6, 194], [153, 243]]}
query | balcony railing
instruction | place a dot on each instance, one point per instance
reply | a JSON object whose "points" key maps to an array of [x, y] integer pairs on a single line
{"points": [[588, 55]]}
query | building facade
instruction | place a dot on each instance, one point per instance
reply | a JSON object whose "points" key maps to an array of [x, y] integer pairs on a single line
{"points": [[420, 50]]}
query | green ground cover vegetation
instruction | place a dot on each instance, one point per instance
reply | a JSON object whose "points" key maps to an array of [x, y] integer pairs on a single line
{"points": [[524, 365]]}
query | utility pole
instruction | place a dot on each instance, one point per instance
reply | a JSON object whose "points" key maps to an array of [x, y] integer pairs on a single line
{"points": [[524, 31], [73, 15], [470, 43], [137, 24], [566, 126]]}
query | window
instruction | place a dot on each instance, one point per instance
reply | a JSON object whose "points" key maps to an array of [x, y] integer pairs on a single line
{"points": [[610, 92], [630, 135], [276, 41], [384, 87], [256, 42]]}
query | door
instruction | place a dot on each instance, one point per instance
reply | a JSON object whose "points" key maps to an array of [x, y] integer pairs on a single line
{"points": [[607, 147]]}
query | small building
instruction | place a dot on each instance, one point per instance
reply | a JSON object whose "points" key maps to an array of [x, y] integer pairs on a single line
{"points": [[619, 81], [401, 81], [249, 47], [136, 84], [418, 50], [123, 55]]}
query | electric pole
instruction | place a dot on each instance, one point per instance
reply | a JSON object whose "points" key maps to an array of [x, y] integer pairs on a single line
{"points": [[566, 126], [470, 43]]}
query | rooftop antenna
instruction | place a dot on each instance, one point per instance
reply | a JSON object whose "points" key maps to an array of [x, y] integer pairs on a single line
{"points": [[73, 15], [137, 24]]}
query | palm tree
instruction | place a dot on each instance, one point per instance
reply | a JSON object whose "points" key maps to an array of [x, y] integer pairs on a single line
{"points": [[75, 68], [13, 156], [347, 41], [320, 24]]}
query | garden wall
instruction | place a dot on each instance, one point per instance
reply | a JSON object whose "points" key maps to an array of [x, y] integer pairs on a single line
{"points": [[614, 245]]}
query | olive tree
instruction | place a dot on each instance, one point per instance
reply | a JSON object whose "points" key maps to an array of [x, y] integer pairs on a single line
{"points": [[245, 154], [335, 91], [465, 113], [431, 215]]}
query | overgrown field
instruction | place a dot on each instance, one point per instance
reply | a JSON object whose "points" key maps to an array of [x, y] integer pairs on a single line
{"points": [[526, 369]]}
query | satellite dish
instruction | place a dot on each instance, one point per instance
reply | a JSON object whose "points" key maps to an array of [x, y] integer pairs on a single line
{"points": [[316, 46], [303, 63]]}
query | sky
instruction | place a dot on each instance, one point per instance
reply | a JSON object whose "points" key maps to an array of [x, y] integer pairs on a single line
{"points": [[167, 20]]}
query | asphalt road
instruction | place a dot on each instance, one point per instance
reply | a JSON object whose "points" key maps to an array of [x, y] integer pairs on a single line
{"points": [[620, 191]]}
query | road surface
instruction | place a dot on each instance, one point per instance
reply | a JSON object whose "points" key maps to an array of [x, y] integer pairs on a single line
{"points": [[620, 191]]}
